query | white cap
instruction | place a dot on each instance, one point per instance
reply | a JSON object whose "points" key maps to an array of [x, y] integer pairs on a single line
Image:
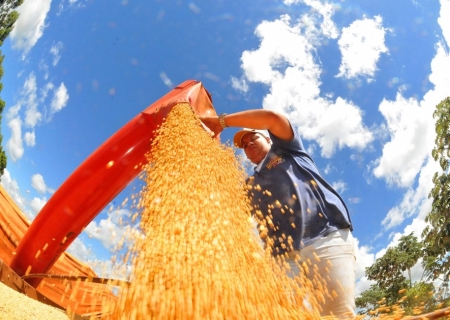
{"points": [[240, 134]]}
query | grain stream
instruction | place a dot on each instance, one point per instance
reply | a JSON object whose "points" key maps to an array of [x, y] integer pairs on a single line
{"points": [[199, 258]]}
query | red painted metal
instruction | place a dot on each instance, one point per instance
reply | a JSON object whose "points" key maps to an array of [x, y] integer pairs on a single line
{"points": [[95, 183]]}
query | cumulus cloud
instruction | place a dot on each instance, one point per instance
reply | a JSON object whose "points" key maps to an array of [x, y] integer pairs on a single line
{"points": [[37, 204], [339, 186], [55, 51], [30, 25], [30, 139], [70, 4], [29, 99], [29, 208], [110, 232], [15, 142], [103, 268], [285, 62], [411, 127], [44, 68], [364, 259], [45, 90], [12, 188], [78, 249], [329, 168], [31, 116], [60, 98], [38, 183], [443, 21], [111, 270], [361, 45], [414, 200], [325, 10], [239, 84]]}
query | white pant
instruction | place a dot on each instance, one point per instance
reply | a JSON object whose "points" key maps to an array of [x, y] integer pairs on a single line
{"points": [[332, 266]]}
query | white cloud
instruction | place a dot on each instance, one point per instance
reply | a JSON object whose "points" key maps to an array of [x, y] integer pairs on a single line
{"points": [[336, 124], [14, 110], [44, 67], [103, 268], [38, 183], [166, 80], [361, 45], [15, 143], [60, 99], [285, 62], [37, 204], [325, 10], [443, 21], [55, 51], [416, 271], [30, 139], [339, 186], [79, 250], [44, 91], [12, 188], [110, 232], [65, 4], [328, 169], [411, 127], [411, 124], [111, 270], [440, 77], [414, 200], [30, 25], [362, 285], [194, 8], [364, 259], [29, 98], [311, 149], [32, 116], [239, 84]]}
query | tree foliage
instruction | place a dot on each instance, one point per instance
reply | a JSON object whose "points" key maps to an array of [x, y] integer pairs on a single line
{"points": [[437, 234], [392, 288], [7, 19], [370, 300]]}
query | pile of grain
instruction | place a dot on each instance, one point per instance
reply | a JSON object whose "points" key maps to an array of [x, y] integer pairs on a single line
{"points": [[199, 258], [17, 306]]}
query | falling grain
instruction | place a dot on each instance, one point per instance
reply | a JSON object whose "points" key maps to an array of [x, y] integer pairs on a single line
{"points": [[199, 258]]}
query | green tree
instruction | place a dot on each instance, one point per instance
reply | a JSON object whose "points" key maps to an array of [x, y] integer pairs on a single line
{"points": [[370, 300], [7, 19], [392, 288], [437, 234]]}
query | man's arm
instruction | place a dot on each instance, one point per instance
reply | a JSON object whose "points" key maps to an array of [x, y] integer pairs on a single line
{"points": [[259, 119]]}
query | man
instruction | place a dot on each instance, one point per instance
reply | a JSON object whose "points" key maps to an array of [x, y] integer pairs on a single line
{"points": [[300, 215]]}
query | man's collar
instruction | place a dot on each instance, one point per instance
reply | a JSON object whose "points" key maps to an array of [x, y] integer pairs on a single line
{"points": [[259, 166]]}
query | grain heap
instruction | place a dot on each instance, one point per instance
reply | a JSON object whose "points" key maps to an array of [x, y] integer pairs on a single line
{"points": [[15, 305], [199, 258]]}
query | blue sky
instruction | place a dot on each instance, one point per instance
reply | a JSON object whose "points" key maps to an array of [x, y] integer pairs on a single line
{"points": [[359, 80]]}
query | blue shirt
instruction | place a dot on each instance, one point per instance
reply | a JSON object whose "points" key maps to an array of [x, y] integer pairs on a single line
{"points": [[291, 200]]}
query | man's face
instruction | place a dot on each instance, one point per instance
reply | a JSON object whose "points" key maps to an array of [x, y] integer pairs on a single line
{"points": [[255, 146]]}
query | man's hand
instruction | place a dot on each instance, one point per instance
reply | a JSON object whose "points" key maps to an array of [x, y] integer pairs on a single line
{"points": [[212, 122]]}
